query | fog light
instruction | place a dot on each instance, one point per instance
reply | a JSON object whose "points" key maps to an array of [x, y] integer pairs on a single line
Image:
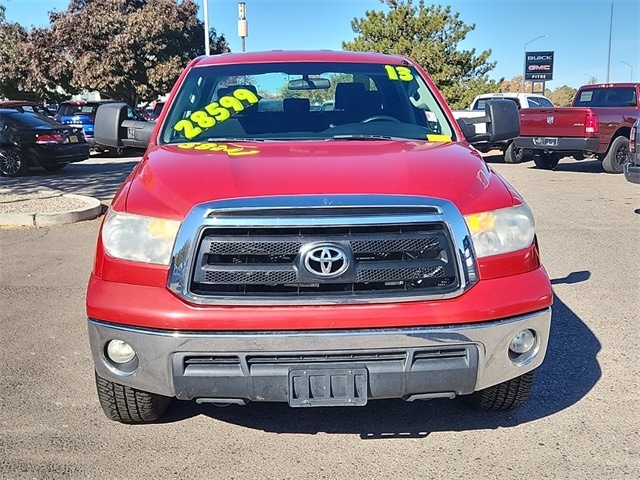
{"points": [[523, 342], [120, 352]]}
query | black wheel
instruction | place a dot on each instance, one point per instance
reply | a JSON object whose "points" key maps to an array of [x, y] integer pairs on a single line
{"points": [[116, 152], [546, 161], [128, 405], [11, 163], [504, 396], [380, 118], [617, 155], [513, 154], [53, 167]]}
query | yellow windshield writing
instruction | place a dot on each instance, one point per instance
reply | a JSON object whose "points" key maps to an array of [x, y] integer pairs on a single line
{"points": [[215, 112]]}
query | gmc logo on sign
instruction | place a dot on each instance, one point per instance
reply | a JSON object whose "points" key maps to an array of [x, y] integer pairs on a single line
{"points": [[534, 68]]}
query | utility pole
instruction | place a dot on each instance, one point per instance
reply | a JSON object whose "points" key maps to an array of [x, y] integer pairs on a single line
{"points": [[207, 50], [610, 31], [243, 27]]}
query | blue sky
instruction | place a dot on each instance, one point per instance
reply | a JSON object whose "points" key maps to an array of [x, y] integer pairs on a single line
{"points": [[578, 30]]}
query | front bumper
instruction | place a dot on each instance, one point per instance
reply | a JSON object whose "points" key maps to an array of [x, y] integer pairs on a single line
{"points": [[632, 172], [408, 363]]}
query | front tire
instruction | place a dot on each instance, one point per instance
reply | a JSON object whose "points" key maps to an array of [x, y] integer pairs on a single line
{"points": [[12, 164], [513, 154], [504, 396], [546, 161], [617, 155], [128, 405]]}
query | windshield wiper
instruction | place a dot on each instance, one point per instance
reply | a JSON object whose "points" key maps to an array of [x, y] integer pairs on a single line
{"points": [[234, 139], [364, 136]]}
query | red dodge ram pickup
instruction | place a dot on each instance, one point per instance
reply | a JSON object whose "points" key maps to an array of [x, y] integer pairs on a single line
{"points": [[267, 250], [597, 123]]}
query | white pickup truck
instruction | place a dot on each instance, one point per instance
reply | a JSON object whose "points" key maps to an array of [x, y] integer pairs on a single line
{"points": [[512, 154]]}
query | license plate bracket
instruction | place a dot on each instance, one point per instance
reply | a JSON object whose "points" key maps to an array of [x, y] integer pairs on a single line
{"points": [[328, 387], [545, 141]]}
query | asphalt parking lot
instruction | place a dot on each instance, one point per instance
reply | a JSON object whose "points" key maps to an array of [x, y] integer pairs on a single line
{"points": [[581, 422]]}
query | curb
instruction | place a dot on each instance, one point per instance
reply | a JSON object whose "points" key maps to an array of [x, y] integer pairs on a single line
{"points": [[92, 210]]}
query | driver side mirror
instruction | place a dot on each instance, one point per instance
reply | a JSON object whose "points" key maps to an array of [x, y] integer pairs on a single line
{"points": [[502, 123]]}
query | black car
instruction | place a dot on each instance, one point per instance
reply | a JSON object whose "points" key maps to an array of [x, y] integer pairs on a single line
{"points": [[28, 139], [26, 106]]}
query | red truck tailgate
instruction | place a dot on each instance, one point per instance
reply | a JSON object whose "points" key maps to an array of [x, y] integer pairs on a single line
{"points": [[556, 122]]}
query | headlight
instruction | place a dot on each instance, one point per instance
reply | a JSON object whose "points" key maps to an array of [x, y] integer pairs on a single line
{"points": [[138, 238], [501, 231]]}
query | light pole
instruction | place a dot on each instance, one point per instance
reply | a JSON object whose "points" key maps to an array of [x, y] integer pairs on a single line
{"points": [[243, 28], [207, 51], [610, 30], [630, 66], [524, 72]]}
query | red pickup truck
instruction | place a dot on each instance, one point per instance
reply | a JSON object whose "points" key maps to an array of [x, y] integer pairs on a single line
{"points": [[598, 123], [267, 250]]}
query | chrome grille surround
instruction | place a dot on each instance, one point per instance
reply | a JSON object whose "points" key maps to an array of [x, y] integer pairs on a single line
{"points": [[282, 228]]}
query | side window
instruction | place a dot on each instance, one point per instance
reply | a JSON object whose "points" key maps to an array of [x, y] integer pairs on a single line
{"points": [[545, 103], [479, 105], [533, 102]]}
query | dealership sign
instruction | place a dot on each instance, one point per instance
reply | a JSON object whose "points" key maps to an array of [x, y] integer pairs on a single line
{"points": [[538, 66]]}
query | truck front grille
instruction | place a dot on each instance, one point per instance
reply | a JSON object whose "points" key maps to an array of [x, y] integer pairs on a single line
{"points": [[383, 259], [322, 250]]}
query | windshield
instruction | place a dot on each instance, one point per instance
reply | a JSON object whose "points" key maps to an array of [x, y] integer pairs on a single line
{"points": [[306, 101]]}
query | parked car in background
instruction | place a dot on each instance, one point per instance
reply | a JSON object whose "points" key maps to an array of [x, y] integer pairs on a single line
{"points": [[597, 124], [80, 114], [632, 167], [28, 139], [512, 153], [83, 114], [26, 106], [152, 110]]}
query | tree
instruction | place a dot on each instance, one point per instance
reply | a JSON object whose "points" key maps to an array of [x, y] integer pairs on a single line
{"points": [[515, 85], [429, 35], [129, 50], [12, 39], [562, 96]]}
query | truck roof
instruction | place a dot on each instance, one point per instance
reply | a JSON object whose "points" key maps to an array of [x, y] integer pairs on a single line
{"points": [[610, 85], [509, 95], [275, 56]]}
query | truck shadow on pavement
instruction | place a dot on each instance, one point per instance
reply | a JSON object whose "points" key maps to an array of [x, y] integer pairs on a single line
{"points": [[568, 373], [100, 178]]}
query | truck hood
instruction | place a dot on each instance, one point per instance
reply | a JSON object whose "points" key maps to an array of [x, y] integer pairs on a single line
{"points": [[171, 179]]}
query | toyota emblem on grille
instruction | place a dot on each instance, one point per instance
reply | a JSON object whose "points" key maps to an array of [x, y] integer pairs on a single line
{"points": [[326, 261]]}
